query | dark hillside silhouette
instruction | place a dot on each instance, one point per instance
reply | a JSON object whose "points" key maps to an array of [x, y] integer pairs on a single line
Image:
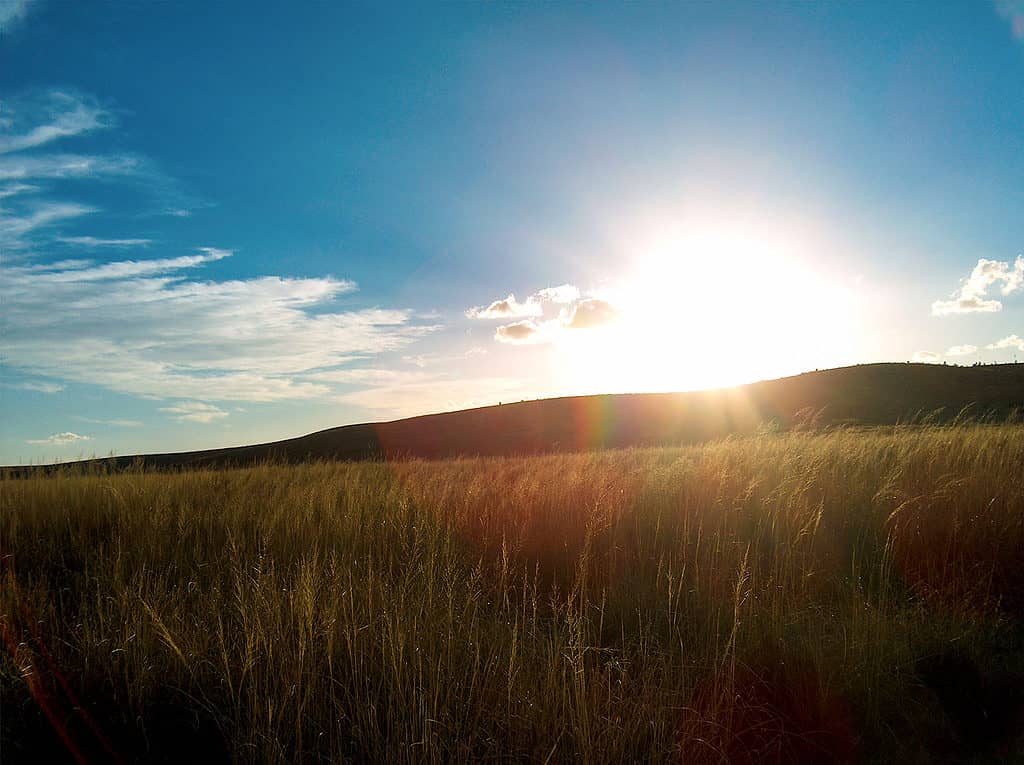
{"points": [[870, 394]]}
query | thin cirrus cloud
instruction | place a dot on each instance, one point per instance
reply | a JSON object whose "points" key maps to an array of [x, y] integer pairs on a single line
{"points": [[93, 242], [116, 423], [973, 295], [38, 386], [54, 115], [146, 327], [150, 326], [1013, 12], [12, 11], [32, 173], [194, 411], [59, 439]]}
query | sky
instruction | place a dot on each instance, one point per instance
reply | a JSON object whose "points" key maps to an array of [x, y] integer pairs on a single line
{"points": [[228, 223]]}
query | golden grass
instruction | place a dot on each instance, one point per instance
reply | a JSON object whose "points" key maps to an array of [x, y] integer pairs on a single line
{"points": [[759, 599]]}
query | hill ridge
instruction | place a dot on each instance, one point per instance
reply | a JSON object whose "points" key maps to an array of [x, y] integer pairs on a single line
{"points": [[865, 394]]}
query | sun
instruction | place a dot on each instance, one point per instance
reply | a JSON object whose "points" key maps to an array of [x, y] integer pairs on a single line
{"points": [[716, 306]]}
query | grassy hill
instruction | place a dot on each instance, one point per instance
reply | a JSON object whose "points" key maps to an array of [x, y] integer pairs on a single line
{"points": [[870, 394]]}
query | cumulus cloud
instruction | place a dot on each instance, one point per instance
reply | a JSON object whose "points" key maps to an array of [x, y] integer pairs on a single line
{"points": [[927, 357], [58, 439], [194, 411], [532, 307], [146, 327], [507, 308], [590, 312], [566, 293], [962, 350], [524, 332], [532, 328], [1011, 341], [972, 297]]}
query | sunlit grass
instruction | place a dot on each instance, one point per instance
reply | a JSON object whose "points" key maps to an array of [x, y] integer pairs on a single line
{"points": [[774, 598]]}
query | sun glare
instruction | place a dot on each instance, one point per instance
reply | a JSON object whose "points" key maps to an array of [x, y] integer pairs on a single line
{"points": [[714, 307]]}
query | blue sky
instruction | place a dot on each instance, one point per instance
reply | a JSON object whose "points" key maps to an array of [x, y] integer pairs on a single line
{"points": [[223, 223]]}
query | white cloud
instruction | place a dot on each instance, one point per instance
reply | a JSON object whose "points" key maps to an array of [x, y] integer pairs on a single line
{"points": [[566, 293], [194, 411], [39, 386], [51, 166], [92, 241], [61, 115], [14, 189], [58, 439], [144, 327], [12, 11], [1013, 12], [508, 308], [114, 423], [962, 350], [972, 297], [589, 313], [14, 227], [1011, 341], [927, 357], [524, 332], [532, 307]]}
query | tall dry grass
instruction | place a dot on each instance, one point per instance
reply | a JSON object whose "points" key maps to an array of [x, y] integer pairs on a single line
{"points": [[792, 597]]}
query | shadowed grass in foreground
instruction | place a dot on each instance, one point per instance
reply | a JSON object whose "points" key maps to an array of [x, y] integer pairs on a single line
{"points": [[846, 596]]}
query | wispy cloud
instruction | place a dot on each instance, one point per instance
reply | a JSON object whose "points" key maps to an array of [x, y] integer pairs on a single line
{"points": [[927, 357], [38, 386], [57, 114], [194, 411], [152, 327], [145, 327], [58, 166], [1011, 341], [1013, 12], [33, 172], [972, 297], [116, 423], [12, 11], [58, 439], [15, 227], [94, 242]]}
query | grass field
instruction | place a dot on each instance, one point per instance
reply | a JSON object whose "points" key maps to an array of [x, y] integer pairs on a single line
{"points": [[853, 595]]}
